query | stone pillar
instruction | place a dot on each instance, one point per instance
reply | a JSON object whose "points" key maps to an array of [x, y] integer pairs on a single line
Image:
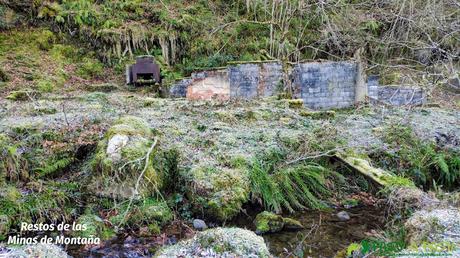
{"points": [[361, 86]]}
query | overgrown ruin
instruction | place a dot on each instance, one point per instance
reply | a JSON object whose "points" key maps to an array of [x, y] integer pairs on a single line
{"points": [[321, 85]]}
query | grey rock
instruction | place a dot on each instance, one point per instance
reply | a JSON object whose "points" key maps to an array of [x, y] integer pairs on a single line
{"points": [[199, 224], [343, 216]]}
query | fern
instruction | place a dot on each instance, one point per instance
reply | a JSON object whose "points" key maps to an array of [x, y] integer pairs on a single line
{"points": [[54, 167], [265, 189], [292, 188]]}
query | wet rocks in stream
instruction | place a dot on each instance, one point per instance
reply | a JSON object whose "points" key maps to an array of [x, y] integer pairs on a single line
{"points": [[268, 222]]}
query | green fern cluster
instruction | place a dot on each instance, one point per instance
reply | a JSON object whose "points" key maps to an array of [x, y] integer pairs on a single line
{"points": [[54, 166], [424, 162], [298, 187]]}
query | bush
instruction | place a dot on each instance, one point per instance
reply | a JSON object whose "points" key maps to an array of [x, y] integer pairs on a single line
{"points": [[45, 86], [90, 68]]}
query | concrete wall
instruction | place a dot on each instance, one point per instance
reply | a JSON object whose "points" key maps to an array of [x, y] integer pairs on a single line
{"points": [[244, 81], [400, 96], [209, 85], [325, 85], [321, 85], [373, 87], [248, 81]]}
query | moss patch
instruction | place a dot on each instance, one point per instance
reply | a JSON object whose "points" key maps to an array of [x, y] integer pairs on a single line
{"points": [[219, 191]]}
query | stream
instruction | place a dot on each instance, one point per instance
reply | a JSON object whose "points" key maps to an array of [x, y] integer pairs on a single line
{"points": [[323, 236]]}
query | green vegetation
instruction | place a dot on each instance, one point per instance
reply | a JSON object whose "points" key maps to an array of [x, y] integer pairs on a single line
{"points": [[220, 192], [126, 153], [44, 204], [22, 95], [268, 222], [90, 68], [149, 212], [185, 36], [423, 162], [296, 187]]}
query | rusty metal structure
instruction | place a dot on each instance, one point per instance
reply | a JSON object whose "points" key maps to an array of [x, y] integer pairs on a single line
{"points": [[144, 72]]}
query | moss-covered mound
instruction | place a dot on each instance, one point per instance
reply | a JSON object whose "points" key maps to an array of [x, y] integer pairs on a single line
{"points": [[124, 155], [220, 192], [219, 242], [39, 250]]}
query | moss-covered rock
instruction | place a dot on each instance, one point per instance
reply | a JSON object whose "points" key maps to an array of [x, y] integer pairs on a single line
{"points": [[292, 224], [219, 242], [124, 154], [220, 192], [268, 222]]}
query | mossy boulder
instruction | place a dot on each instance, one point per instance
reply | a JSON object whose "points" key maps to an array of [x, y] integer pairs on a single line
{"points": [[125, 154], [219, 191], [269, 222], [219, 242]]}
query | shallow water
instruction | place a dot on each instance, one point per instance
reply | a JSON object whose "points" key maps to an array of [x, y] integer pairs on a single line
{"points": [[323, 235]]}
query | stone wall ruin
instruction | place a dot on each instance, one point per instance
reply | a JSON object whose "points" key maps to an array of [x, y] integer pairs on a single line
{"points": [[321, 85]]}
